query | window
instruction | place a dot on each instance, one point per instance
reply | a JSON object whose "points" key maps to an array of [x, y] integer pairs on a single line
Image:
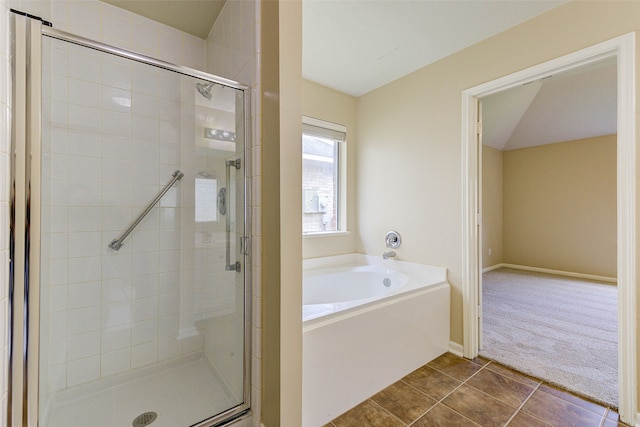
{"points": [[322, 194]]}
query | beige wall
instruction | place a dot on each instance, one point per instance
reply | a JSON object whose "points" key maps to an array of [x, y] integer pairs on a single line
{"points": [[409, 134], [281, 219], [556, 208], [560, 206], [326, 104], [290, 215], [492, 207], [270, 217]]}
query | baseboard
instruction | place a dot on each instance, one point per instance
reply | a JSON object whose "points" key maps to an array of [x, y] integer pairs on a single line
{"points": [[456, 348], [493, 267], [606, 279]]}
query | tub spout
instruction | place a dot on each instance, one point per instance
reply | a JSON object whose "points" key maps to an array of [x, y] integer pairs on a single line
{"points": [[389, 254]]}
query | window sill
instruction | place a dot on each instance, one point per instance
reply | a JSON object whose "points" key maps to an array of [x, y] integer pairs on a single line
{"points": [[326, 234]]}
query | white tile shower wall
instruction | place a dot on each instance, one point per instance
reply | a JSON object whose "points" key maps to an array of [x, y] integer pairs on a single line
{"points": [[256, 189], [256, 197], [110, 312], [5, 115], [114, 26], [233, 51], [111, 25], [105, 23]]}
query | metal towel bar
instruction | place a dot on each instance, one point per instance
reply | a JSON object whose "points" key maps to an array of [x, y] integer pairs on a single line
{"points": [[116, 244]]}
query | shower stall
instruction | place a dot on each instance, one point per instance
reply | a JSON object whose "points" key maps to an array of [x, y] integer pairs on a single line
{"points": [[130, 264]]}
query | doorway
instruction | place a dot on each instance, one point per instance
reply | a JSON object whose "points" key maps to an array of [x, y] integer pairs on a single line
{"points": [[548, 203], [623, 49]]}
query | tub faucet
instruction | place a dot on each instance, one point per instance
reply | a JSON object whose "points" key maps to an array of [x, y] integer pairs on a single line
{"points": [[389, 254]]}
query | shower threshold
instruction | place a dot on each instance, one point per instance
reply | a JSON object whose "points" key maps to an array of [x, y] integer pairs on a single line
{"points": [[181, 395]]}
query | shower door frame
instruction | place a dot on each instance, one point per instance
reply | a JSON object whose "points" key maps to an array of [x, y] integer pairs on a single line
{"points": [[25, 167]]}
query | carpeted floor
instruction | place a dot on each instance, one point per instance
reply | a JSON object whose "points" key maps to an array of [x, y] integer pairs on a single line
{"points": [[556, 328]]}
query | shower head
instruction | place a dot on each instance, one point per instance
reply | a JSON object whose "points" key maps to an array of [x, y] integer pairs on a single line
{"points": [[205, 89]]}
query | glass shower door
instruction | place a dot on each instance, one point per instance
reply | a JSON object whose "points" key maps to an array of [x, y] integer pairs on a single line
{"points": [[143, 290]]}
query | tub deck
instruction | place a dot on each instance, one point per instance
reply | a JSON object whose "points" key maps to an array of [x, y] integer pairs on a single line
{"points": [[419, 276]]}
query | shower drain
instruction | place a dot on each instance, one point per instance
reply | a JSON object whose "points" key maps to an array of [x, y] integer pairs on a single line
{"points": [[144, 419]]}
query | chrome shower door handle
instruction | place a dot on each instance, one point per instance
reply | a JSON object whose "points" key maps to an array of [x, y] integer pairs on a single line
{"points": [[245, 245], [229, 266]]}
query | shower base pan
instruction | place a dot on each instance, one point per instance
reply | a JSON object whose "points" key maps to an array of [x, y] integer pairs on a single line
{"points": [[181, 395]]}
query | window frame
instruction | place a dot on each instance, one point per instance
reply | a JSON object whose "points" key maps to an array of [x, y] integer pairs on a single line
{"points": [[338, 133]]}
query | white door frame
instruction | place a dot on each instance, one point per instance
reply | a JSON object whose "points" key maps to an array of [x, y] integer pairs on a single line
{"points": [[623, 48]]}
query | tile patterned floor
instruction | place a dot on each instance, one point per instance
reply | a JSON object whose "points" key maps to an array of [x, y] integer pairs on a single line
{"points": [[452, 391]]}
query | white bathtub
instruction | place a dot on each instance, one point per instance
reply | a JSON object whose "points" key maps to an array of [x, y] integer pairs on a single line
{"points": [[367, 322]]}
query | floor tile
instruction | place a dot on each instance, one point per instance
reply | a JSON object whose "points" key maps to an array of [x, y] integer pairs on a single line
{"points": [[457, 367], [441, 416], [576, 400], [457, 392], [524, 420], [515, 375], [612, 423], [479, 407], [404, 401], [505, 389], [367, 414], [481, 361], [613, 415], [556, 411], [613, 419], [431, 382]]}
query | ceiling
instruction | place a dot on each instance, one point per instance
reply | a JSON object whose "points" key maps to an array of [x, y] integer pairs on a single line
{"points": [[359, 45], [195, 17], [356, 46], [577, 104]]}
